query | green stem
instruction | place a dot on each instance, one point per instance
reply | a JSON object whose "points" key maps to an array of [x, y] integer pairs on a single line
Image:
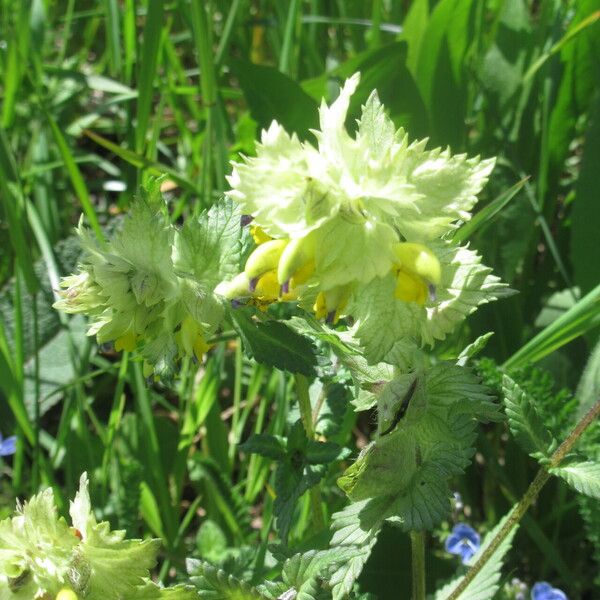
{"points": [[417, 547], [318, 519], [530, 495]]}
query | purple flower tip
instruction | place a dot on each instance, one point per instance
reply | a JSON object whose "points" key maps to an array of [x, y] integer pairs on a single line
{"points": [[252, 284], [432, 292], [285, 287], [246, 220]]}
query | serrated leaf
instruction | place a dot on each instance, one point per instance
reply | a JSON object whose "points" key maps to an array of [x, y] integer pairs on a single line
{"points": [[486, 583], [428, 422], [474, 348], [584, 477], [382, 319], [356, 529], [524, 421], [323, 453], [151, 591], [588, 388], [208, 247], [215, 584], [274, 344], [303, 573], [270, 446]]}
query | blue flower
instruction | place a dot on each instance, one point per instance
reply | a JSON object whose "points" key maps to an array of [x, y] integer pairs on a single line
{"points": [[464, 541], [542, 590], [8, 446]]}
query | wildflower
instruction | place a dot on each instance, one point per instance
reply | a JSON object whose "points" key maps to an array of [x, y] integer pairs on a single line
{"points": [[544, 591], [464, 541], [363, 220], [151, 288], [43, 557], [8, 446]]}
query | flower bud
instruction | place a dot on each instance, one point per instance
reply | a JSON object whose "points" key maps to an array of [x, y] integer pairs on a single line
{"points": [[264, 258], [238, 287], [66, 594], [297, 261]]}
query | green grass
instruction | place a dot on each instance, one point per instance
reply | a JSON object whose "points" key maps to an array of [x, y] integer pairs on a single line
{"points": [[99, 96]]}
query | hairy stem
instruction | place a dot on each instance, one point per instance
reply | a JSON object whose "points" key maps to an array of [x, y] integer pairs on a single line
{"points": [[318, 519], [417, 547], [530, 495]]}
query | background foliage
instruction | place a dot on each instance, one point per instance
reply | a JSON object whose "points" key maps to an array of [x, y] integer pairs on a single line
{"points": [[99, 96]]}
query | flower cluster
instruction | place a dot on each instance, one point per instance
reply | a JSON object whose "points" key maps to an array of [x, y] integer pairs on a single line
{"points": [[151, 288], [43, 557], [359, 220]]}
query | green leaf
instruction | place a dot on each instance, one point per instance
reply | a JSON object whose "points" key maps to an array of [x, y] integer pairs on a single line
{"points": [[588, 388], [485, 216], [151, 591], [524, 421], [428, 422], [583, 477], [303, 573], [384, 69], [215, 584], [440, 69], [486, 583], [583, 317], [290, 106], [356, 529], [275, 344], [586, 208], [208, 247], [323, 453], [270, 446]]}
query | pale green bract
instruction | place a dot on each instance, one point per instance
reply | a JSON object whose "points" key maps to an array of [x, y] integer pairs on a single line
{"points": [[40, 554], [350, 203]]}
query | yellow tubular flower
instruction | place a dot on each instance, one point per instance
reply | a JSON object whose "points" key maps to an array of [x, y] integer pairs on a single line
{"points": [[259, 235], [418, 271], [297, 261], [330, 304], [66, 594], [264, 258]]}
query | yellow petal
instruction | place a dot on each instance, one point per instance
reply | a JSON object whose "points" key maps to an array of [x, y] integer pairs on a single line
{"points": [[267, 286], [411, 288], [259, 235], [418, 260]]}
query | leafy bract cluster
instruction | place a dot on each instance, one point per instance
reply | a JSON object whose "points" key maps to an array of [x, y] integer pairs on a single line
{"points": [[42, 555], [361, 225], [151, 287]]}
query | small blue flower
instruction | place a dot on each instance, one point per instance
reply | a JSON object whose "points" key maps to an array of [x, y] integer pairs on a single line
{"points": [[464, 541], [8, 446], [544, 591]]}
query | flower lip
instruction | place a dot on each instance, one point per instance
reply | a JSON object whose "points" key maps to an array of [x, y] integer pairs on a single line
{"points": [[464, 541]]}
